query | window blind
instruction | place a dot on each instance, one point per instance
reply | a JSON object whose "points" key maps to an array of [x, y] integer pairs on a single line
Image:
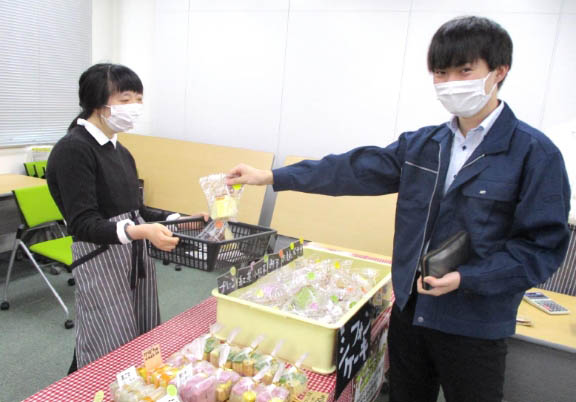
{"points": [[44, 47]]}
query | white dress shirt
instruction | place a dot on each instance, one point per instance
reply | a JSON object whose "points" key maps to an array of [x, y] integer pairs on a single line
{"points": [[464, 146]]}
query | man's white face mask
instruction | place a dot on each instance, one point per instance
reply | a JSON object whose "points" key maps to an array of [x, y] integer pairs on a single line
{"points": [[464, 98]]}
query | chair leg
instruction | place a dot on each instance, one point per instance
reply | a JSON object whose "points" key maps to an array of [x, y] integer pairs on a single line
{"points": [[5, 303], [31, 257]]}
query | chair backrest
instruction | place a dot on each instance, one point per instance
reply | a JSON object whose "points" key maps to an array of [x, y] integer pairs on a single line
{"points": [[40, 168], [564, 280], [361, 223], [37, 205], [30, 168]]}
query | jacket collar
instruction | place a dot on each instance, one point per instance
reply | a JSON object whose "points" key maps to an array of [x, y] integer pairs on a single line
{"points": [[496, 140]]}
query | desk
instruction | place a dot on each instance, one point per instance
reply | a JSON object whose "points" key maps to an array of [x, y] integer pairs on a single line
{"points": [[541, 362], [9, 182]]}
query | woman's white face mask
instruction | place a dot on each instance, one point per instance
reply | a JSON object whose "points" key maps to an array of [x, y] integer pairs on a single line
{"points": [[464, 98], [123, 116]]}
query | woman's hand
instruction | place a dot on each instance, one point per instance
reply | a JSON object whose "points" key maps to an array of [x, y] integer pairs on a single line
{"points": [[159, 235], [244, 174]]}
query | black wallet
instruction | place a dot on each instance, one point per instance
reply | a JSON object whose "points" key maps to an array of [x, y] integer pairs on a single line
{"points": [[447, 257]]}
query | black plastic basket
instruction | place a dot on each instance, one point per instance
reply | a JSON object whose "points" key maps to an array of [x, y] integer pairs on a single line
{"points": [[250, 243]]}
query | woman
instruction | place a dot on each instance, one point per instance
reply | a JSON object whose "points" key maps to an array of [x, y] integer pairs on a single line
{"points": [[94, 182]]}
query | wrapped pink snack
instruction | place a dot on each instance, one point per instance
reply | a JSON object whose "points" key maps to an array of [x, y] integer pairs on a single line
{"points": [[244, 385], [225, 380], [178, 359], [267, 393], [199, 388], [203, 367]]}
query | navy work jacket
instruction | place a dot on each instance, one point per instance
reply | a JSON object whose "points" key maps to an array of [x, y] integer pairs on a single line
{"points": [[512, 196]]}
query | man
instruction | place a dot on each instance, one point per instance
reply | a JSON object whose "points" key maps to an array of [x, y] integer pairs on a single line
{"points": [[484, 172]]}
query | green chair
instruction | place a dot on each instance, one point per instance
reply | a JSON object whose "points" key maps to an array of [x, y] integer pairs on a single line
{"points": [[36, 169], [40, 168], [39, 211], [30, 168]]}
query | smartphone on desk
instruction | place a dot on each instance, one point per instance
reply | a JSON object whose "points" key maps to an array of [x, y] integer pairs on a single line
{"points": [[544, 303]]}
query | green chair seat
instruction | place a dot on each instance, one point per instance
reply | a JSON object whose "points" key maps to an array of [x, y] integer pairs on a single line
{"points": [[58, 249]]}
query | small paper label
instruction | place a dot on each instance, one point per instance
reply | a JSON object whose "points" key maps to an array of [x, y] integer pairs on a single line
{"points": [[274, 262], [224, 207], [246, 276], [299, 248], [227, 282], [127, 376], [311, 396], [184, 375], [152, 357], [169, 398], [260, 269], [287, 255], [99, 396]]}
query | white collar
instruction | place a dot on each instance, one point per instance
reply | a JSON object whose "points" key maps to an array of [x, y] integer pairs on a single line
{"points": [[486, 124], [98, 135]]}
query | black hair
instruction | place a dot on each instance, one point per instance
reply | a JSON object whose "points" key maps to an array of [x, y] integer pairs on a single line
{"points": [[99, 82], [468, 39]]}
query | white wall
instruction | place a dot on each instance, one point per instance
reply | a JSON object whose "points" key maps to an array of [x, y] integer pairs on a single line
{"points": [[311, 77]]}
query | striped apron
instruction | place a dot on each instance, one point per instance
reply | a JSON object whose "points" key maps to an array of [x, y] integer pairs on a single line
{"points": [[116, 295]]}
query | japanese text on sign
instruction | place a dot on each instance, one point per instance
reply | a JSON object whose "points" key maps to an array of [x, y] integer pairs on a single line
{"points": [[353, 345]]}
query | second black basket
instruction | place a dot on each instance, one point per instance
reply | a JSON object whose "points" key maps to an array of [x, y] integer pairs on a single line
{"points": [[250, 243]]}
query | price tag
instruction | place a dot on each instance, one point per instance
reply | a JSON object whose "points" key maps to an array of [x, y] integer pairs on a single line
{"points": [[184, 375], [245, 276], [224, 207], [152, 357], [127, 376], [169, 398], [260, 269], [227, 282], [99, 396], [299, 247], [289, 255], [274, 262], [311, 396]]}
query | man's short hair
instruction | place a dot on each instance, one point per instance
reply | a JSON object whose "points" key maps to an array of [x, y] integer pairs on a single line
{"points": [[468, 39]]}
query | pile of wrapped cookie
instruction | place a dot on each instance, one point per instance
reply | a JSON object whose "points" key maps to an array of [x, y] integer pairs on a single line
{"points": [[208, 370]]}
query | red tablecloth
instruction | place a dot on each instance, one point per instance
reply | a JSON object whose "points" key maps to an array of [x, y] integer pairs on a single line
{"points": [[82, 385]]}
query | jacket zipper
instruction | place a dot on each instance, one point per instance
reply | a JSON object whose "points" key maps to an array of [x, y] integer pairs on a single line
{"points": [[428, 215], [421, 167], [474, 161]]}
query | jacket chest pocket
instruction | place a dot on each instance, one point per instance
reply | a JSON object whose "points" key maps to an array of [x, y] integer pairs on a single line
{"points": [[489, 204]]}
